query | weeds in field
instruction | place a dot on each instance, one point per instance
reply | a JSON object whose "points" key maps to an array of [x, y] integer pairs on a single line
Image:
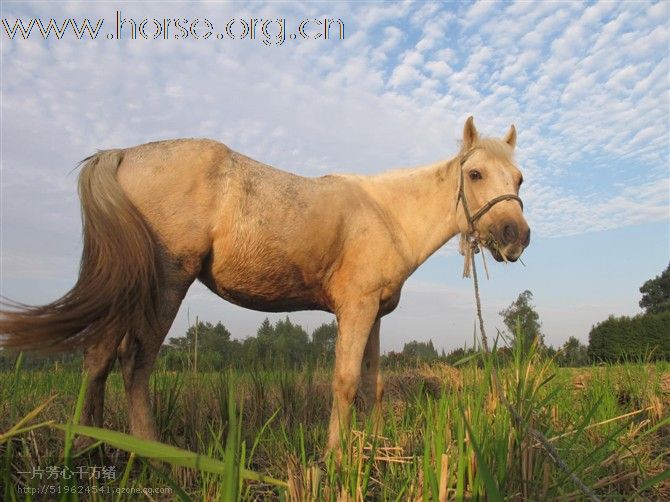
{"points": [[258, 434]]}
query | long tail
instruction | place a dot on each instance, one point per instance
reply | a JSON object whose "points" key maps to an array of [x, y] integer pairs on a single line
{"points": [[118, 277]]}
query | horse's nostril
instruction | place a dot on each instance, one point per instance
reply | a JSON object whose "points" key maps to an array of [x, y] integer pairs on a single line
{"points": [[526, 240], [510, 234]]}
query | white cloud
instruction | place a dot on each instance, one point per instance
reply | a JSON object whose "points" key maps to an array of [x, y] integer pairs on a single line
{"points": [[477, 12], [439, 68], [423, 14], [392, 37], [405, 74], [564, 214]]}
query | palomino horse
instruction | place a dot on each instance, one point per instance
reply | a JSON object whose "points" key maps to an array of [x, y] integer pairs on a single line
{"points": [[158, 216]]}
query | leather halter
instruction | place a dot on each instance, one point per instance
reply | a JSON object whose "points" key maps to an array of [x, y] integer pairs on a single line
{"points": [[472, 219]]}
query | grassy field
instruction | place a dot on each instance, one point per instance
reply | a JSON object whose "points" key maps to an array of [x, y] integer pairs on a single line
{"points": [[260, 435]]}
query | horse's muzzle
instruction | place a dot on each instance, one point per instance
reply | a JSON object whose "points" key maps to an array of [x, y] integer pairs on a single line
{"points": [[511, 239]]}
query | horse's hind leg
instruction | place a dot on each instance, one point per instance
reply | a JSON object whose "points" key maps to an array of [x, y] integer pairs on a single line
{"points": [[137, 355], [98, 361]]}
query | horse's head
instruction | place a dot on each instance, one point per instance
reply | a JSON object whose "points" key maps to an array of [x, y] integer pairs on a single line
{"points": [[488, 202]]}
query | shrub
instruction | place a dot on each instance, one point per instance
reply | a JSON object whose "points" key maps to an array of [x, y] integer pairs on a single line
{"points": [[642, 336]]}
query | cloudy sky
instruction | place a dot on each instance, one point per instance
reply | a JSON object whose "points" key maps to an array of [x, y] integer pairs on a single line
{"points": [[585, 84]]}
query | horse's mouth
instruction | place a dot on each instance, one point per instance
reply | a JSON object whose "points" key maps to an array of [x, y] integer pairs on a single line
{"points": [[497, 255]]}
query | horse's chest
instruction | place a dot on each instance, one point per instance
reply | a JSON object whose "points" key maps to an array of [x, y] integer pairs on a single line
{"points": [[388, 304]]}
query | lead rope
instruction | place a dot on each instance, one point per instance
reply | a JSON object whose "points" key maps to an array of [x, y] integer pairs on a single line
{"points": [[469, 247], [518, 419]]}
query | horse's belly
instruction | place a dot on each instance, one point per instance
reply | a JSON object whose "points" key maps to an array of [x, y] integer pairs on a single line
{"points": [[265, 285], [267, 303]]}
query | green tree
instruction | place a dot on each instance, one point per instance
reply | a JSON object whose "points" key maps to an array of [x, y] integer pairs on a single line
{"points": [[265, 330], [214, 346], [323, 343], [573, 353], [210, 337], [290, 344], [656, 293], [523, 312], [261, 347], [420, 350], [251, 352], [284, 343], [645, 336]]}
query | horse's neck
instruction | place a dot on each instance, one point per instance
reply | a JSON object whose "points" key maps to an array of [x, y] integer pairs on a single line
{"points": [[422, 203]]}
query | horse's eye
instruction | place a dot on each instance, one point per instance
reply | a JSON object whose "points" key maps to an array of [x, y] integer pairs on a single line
{"points": [[475, 175]]}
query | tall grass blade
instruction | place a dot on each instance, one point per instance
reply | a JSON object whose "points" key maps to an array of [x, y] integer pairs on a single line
{"points": [[125, 476], [230, 474], [167, 479], [165, 453], [653, 481], [492, 490]]}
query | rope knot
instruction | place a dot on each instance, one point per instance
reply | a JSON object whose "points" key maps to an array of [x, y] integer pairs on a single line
{"points": [[469, 246]]}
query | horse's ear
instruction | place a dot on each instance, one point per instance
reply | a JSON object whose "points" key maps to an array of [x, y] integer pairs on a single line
{"points": [[470, 134], [510, 137]]}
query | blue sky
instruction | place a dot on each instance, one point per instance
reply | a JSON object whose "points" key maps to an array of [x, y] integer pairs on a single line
{"points": [[586, 85]]}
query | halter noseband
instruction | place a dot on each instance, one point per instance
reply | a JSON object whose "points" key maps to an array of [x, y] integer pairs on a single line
{"points": [[472, 219]]}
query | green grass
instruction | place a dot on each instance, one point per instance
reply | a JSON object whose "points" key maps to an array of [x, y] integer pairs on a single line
{"points": [[258, 435]]}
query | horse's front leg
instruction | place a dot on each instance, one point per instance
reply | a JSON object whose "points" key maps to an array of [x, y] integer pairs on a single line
{"points": [[372, 386], [354, 322]]}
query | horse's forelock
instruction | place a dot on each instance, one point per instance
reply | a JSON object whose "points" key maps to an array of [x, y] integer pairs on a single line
{"points": [[494, 146]]}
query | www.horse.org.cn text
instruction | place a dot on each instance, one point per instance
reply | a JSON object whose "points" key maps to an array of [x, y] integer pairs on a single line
{"points": [[276, 31]]}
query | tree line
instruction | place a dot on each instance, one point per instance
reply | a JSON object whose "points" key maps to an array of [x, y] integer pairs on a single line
{"points": [[210, 347], [645, 335]]}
